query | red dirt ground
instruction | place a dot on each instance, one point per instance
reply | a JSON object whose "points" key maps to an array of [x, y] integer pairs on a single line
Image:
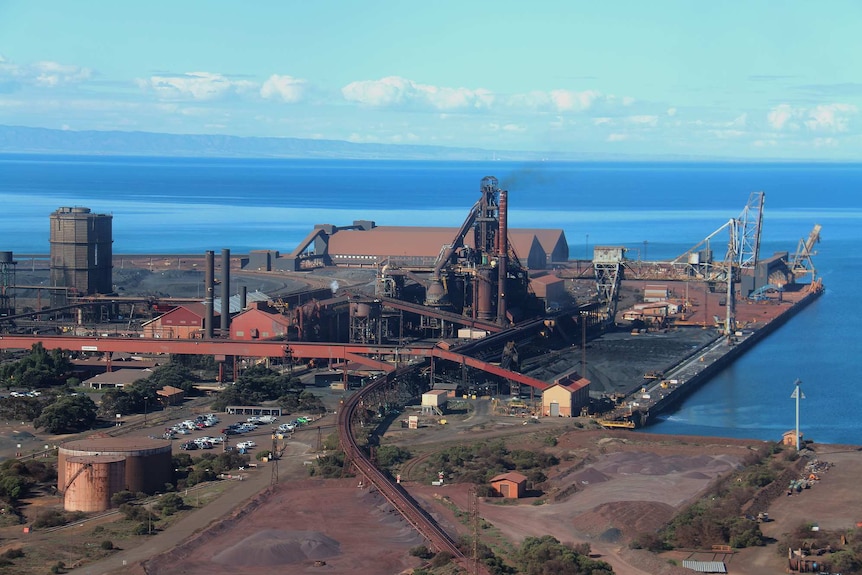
{"points": [[288, 527]]}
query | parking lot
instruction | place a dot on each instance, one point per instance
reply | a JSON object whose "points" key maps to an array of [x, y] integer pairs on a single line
{"points": [[223, 432]]}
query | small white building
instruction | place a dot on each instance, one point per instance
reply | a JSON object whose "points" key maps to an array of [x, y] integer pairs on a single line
{"points": [[434, 401]]}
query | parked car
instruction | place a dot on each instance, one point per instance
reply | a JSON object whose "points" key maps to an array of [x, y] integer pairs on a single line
{"points": [[189, 446], [246, 444]]}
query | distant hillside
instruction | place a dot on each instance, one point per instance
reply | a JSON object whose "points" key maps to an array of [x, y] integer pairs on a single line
{"points": [[19, 139]]}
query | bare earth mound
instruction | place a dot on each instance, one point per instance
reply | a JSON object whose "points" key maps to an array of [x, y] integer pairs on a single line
{"points": [[278, 547]]}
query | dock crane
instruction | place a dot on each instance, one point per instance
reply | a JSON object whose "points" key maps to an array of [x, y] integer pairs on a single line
{"points": [[743, 246], [801, 263], [743, 251]]}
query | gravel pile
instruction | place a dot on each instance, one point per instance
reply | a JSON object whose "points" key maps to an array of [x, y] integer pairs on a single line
{"points": [[278, 547]]}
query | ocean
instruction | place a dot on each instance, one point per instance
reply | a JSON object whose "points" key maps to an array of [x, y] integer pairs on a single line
{"points": [[657, 210]]}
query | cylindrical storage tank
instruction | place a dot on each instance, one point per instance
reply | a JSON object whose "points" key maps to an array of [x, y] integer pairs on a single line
{"points": [[92, 480], [5, 257], [148, 461]]}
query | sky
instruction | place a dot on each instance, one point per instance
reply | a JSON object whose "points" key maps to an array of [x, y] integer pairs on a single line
{"points": [[732, 79]]}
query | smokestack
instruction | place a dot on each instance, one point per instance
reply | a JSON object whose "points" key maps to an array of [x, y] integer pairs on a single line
{"points": [[225, 292], [209, 281], [243, 297], [502, 256]]}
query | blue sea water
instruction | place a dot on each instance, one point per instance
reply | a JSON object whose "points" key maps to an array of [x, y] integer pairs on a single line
{"points": [[657, 210]]}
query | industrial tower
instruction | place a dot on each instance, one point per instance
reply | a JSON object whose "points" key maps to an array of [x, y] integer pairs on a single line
{"points": [[81, 254]]}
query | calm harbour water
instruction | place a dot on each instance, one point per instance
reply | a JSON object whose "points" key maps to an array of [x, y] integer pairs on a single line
{"points": [[168, 205]]}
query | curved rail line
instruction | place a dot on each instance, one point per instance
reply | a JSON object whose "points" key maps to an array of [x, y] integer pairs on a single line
{"points": [[396, 495]]}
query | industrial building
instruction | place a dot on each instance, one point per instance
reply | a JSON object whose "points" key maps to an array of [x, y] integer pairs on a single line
{"points": [[566, 396], [81, 253], [365, 244], [187, 321], [90, 471]]}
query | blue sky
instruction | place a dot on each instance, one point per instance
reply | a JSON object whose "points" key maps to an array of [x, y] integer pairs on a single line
{"points": [[733, 79]]}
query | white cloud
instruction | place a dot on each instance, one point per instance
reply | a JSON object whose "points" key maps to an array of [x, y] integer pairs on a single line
{"points": [[830, 117], [46, 74], [287, 88], [643, 120], [395, 91], [822, 118], [398, 92], [617, 137], [671, 112], [780, 115], [570, 101], [53, 74], [195, 86], [825, 142]]}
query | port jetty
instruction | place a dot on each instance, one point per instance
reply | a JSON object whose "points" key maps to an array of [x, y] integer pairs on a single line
{"points": [[663, 389]]}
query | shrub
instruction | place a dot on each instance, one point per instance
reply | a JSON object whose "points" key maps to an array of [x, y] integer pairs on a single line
{"points": [[421, 551], [106, 545], [441, 559], [15, 553], [121, 497], [50, 518], [170, 503]]}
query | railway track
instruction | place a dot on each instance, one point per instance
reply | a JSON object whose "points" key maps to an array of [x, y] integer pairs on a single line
{"points": [[400, 500]]}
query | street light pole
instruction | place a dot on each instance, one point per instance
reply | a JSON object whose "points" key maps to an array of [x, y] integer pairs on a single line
{"points": [[797, 395]]}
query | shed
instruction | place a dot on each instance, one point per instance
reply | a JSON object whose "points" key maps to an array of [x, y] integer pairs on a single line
{"points": [[566, 396], [171, 395], [511, 485], [789, 438]]}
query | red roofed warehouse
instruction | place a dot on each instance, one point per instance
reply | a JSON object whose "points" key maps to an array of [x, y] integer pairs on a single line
{"points": [[182, 322]]}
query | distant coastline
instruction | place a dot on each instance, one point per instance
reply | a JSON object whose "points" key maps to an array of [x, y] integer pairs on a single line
{"points": [[43, 141]]}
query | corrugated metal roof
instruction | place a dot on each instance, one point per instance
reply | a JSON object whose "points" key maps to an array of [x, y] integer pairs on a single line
{"points": [[705, 566], [256, 295], [422, 241]]}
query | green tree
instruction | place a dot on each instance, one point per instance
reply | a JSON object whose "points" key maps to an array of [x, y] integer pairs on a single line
{"points": [[546, 555], [40, 368], [67, 415]]}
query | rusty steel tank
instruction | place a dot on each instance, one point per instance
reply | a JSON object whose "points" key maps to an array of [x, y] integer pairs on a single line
{"points": [[148, 461], [92, 480]]}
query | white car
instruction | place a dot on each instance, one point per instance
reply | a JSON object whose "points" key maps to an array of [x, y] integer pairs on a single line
{"points": [[246, 444]]}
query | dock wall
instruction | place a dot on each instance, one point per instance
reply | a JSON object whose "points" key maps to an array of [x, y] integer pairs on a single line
{"points": [[677, 394]]}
